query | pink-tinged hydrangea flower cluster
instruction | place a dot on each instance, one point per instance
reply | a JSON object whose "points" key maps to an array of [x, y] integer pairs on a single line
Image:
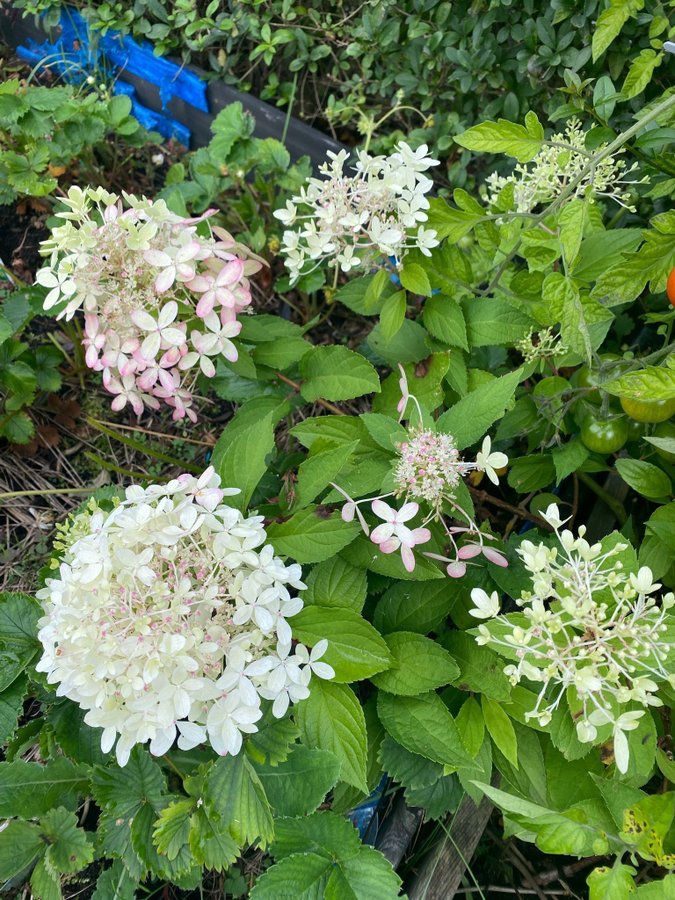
{"points": [[353, 219], [590, 631], [429, 470], [160, 301], [169, 619]]}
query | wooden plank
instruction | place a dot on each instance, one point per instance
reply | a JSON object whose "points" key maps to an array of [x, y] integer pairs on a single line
{"points": [[398, 830], [442, 870]]}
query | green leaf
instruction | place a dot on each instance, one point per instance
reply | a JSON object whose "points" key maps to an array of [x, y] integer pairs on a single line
{"points": [[568, 458], [211, 844], [320, 468], [240, 461], [503, 136], [481, 670], [320, 832], [392, 315], [298, 785], [408, 769], [273, 740], [115, 884], [424, 726], [336, 583], [68, 846], [384, 430], [415, 279], [530, 473], [564, 299], [172, 829], [650, 383], [30, 789], [471, 725], [124, 790], [449, 222], [615, 883], [501, 729], [415, 606], [179, 869], [640, 73], [376, 288], [332, 719], [609, 24], [418, 665], [20, 843], [572, 220], [336, 373], [301, 875], [355, 649], [645, 478], [602, 250], [604, 95], [444, 319], [19, 614], [625, 280], [11, 707], [409, 344], [235, 798], [367, 876], [364, 554], [470, 417], [311, 535], [45, 882], [490, 321]]}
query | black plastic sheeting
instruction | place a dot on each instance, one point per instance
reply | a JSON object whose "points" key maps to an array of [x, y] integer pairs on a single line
{"points": [[300, 139]]}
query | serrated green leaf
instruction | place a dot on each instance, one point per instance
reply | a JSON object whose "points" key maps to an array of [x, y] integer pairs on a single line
{"points": [[640, 73], [20, 843], [444, 319], [312, 536], [609, 24], [68, 846], [572, 220], [568, 458], [501, 729], [45, 882], [336, 373], [424, 726], [414, 279], [240, 461], [30, 789], [332, 719], [481, 670], [470, 417], [336, 583], [236, 799], [211, 844], [367, 876], [19, 614], [503, 136], [491, 321], [449, 222], [301, 875], [392, 314], [418, 665], [321, 832], [172, 828], [11, 707], [612, 883], [652, 382], [124, 790], [115, 884], [298, 785], [409, 769], [320, 468], [415, 606], [355, 649]]}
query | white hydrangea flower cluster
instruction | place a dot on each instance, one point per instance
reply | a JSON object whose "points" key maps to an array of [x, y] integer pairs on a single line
{"points": [[353, 219], [160, 300], [429, 469], [169, 618], [560, 161], [587, 625]]}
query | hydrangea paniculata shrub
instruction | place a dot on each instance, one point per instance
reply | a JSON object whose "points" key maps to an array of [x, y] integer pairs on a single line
{"points": [[169, 619], [160, 300]]}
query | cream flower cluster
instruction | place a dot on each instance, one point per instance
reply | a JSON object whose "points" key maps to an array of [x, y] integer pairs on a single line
{"points": [[160, 301], [169, 619], [353, 219], [588, 626], [560, 161], [429, 469]]}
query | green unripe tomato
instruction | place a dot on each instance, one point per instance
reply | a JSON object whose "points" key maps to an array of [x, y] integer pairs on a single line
{"points": [[648, 410], [604, 435], [665, 430], [592, 379]]}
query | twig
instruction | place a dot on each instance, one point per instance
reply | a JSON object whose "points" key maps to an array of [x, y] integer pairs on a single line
{"points": [[484, 497]]}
